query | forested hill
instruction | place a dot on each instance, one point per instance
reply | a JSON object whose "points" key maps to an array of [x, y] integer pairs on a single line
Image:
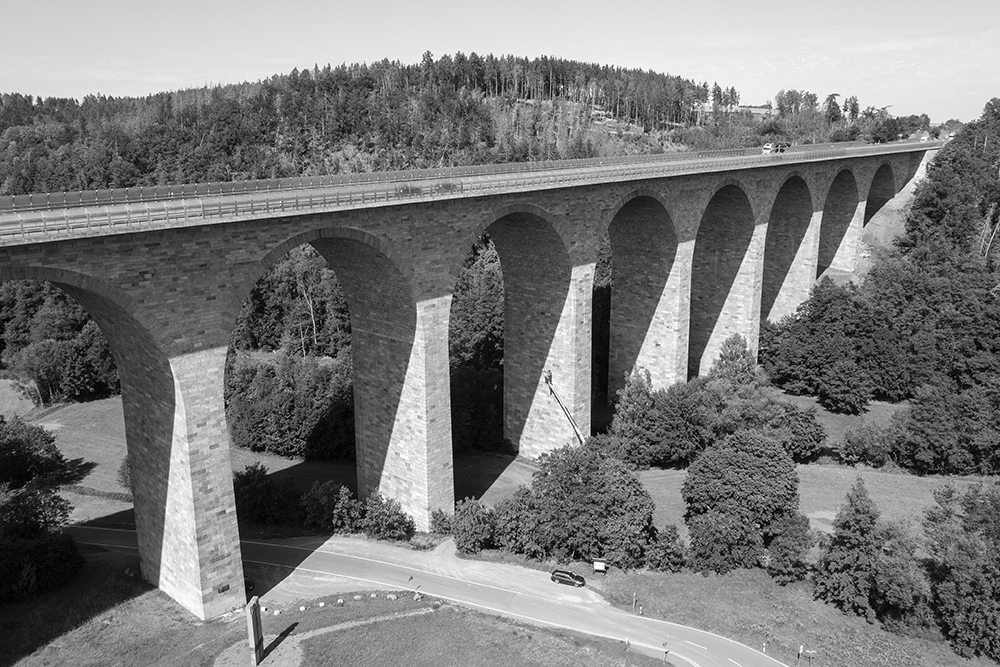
{"points": [[384, 116], [454, 110]]}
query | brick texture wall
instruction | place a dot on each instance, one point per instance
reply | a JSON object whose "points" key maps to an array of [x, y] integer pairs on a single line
{"points": [[693, 256]]}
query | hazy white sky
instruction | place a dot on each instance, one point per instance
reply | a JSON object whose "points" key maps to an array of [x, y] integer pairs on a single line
{"points": [[939, 58]]}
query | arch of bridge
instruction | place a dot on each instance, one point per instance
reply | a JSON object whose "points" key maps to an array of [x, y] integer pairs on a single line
{"points": [[723, 276], [183, 547]]}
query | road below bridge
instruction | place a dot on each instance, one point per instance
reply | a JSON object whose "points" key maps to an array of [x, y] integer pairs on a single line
{"points": [[326, 567]]}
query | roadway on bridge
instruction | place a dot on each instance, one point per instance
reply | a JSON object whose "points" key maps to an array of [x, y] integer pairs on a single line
{"points": [[343, 564]]}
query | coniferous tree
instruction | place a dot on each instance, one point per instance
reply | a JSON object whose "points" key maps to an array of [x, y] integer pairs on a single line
{"points": [[846, 568]]}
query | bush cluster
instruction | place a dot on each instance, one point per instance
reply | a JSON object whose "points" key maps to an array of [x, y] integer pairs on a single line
{"points": [[582, 505], [34, 555], [50, 345], [670, 427], [262, 499], [291, 405], [948, 581], [37, 565], [326, 507], [742, 508]]}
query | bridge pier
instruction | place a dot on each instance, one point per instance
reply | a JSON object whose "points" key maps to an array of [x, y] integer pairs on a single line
{"points": [[190, 527], [178, 444], [401, 380], [547, 313]]}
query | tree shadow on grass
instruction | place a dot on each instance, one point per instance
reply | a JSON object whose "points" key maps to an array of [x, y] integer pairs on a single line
{"points": [[107, 580]]}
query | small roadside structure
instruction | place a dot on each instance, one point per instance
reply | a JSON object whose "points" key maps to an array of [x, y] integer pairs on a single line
{"points": [[600, 565]]}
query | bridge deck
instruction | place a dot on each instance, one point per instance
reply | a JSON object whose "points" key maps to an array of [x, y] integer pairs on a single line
{"points": [[63, 215]]}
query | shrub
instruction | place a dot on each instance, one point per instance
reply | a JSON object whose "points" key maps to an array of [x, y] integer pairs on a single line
{"points": [[846, 567], [666, 552], [901, 592], [440, 522], [290, 405], [747, 475], [125, 474], [260, 499], [788, 542], [845, 388], [721, 542], [587, 505], [868, 443], [34, 566], [29, 513], [347, 512], [331, 507], [947, 431], [736, 364], [800, 432], [29, 456], [385, 519], [963, 533], [515, 522], [734, 492], [472, 526], [660, 427]]}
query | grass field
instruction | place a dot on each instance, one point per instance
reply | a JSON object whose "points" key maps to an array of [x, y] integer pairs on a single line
{"points": [[748, 607], [109, 618], [95, 431], [135, 624], [822, 490]]}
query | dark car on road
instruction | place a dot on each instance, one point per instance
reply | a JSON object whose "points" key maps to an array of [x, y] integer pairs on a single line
{"points": [[568, 578]]}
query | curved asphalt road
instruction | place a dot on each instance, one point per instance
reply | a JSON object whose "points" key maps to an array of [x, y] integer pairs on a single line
{"points": [[527, 595]]}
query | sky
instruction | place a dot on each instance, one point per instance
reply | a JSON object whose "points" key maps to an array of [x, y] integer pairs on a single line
{"points": [[912, 56]]}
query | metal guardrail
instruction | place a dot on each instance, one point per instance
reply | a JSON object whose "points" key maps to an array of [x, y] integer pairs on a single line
{"points": [[24, 218], [52, 200]]}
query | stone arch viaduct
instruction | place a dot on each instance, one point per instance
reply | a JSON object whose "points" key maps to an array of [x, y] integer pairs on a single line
{"points": [[702, 248]]}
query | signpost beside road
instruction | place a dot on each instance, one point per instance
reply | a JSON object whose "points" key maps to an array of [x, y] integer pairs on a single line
{"points": [[254, 631]]}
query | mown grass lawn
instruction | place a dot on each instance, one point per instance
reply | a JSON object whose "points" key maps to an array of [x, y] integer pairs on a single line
{"points": [[142, 626], [110, 618], [822, 490], [749, 607]]}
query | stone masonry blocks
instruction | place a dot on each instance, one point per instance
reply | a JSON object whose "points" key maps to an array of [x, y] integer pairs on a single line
{"points": [[789, 271], [643, 311], [167, 301]]}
